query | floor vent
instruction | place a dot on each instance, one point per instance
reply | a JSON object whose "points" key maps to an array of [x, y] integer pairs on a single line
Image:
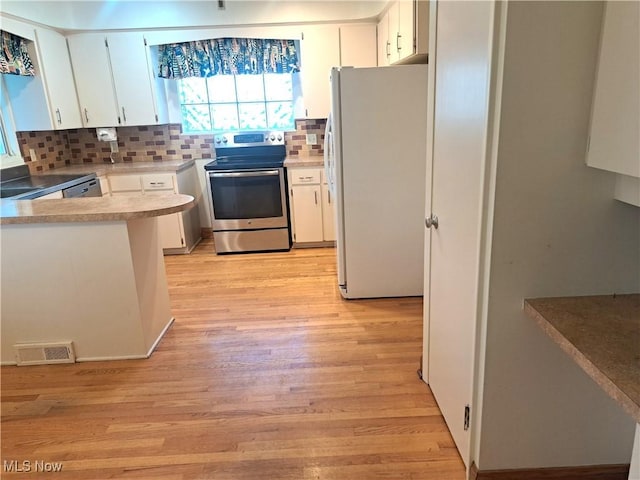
{"points": [[44, 353]]}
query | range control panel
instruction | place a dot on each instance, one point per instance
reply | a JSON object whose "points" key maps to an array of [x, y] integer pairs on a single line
{"points": [[249, 139]]}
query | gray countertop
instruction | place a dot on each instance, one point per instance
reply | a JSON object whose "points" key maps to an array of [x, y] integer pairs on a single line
{"points": [[91, 209], [122, 168]]}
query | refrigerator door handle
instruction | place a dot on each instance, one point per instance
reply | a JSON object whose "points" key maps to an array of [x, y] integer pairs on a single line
{"points": [[327, 152]]}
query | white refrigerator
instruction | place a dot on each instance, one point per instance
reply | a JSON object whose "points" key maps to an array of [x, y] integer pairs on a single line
{"points": [[375, 163]]}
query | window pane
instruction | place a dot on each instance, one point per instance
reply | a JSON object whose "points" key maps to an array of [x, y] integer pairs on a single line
{"points": [[250, 88], [225, 117], [195, 118], [192, 90], [252, 116], [222, 89], [278, 86], [280, 115]]}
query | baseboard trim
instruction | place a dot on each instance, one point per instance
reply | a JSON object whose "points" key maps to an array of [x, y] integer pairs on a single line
{"points": [[590, 472]]}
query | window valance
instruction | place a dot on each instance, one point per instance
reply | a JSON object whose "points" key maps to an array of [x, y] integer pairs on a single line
{"points": [[14, 58], [227, 56]]}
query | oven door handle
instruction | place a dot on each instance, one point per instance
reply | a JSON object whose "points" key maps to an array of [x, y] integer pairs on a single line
{"points": [[262, 173]]}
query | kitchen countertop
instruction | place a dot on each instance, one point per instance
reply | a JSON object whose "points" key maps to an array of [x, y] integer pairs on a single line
{"points": [[304, 161], [121, 168], [602, 335], [91, 209]]}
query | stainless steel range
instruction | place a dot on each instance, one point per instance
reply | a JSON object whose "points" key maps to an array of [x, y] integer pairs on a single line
{"points": [[247, 186]]}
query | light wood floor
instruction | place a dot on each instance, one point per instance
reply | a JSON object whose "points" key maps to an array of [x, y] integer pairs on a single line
{"points": [[266, 374]]}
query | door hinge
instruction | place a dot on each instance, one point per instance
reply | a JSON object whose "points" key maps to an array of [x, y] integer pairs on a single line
{"points": [[157, 118], [294, 237], [292, 192], [145, 41], [467, 417], [301, 35], [106, 43]]}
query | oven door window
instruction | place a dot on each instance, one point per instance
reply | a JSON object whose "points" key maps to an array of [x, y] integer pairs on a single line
{"points": [[246, 194]]}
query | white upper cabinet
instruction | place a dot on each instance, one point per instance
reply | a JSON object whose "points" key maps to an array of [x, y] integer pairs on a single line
{"points": [[615, 116], [403, 33], [57, 75], [133, 79], [113, 78], [327, 46], [319, 51], [46, 101], [357, 45], [92, 71], [384, 46]]}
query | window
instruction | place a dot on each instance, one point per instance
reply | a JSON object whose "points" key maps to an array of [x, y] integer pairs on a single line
{"points": [[237, 102]]}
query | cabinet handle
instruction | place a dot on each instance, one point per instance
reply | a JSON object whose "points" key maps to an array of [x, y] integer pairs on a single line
{"points": [[388, 48], [398, 47], [329, 196], [124, 115], [58, 116], [86, 115], [315, 197]]}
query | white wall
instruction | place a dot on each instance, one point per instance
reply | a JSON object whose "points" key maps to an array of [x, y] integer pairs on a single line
{"points": [[556, 231]]}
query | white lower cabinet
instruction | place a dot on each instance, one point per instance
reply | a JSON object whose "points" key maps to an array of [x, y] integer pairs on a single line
{"points": [[179, 232], [328, 215], [312, 218]]}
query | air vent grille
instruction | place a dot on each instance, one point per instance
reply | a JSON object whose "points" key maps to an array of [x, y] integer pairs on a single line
{"points": [[44, 353]]}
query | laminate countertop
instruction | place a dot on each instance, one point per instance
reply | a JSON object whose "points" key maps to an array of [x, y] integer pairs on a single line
{"points": [[602, 335], [91, 209], [121, 168], [304, 161]]}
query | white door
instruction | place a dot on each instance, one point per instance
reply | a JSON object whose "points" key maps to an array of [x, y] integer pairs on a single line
{"points": [[463, 46]]}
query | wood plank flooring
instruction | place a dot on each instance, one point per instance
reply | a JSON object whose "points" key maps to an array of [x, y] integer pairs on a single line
{"points": [[267, 373]]}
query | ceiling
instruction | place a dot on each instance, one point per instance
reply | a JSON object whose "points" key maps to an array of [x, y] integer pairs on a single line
{"points": [[82, 15]]}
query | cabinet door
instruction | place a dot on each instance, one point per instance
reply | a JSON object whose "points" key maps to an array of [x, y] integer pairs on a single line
{"points": [[170, 228], [92, 72], [358, 45], [132, 79], [58, 79], [328, 215], [319, 51], [405, 36], [384, 45], [615, 116], [394, 31], [307, 213]]}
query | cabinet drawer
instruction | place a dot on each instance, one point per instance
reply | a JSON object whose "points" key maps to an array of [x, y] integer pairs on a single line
{"points": [[158, 181], [125, 183], [305, 176]]}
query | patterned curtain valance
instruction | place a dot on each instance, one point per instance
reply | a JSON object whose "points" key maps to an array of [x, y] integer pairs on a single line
{"points": [[14, 58], [227, 56]]}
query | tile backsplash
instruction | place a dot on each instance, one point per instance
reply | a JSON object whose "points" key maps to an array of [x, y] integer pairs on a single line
{"points": [[296, 142], [155, 143]]}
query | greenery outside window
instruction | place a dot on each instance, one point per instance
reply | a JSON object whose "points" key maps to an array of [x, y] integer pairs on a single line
{"points": [[237, 102]]}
